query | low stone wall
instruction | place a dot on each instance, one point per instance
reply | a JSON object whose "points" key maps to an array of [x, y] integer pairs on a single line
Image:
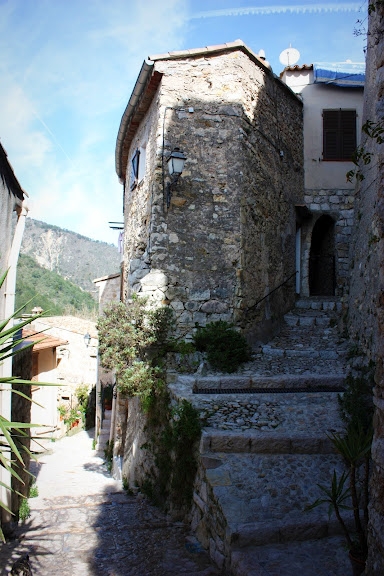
{"points": [[207, 519], [131, 435]]}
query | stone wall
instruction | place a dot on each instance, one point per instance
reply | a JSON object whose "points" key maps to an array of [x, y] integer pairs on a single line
{"points": [[228, 236], [366, 305], [130, 436]]}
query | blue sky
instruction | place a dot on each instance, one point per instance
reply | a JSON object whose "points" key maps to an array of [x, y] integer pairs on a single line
{"points": [[68, 67]]}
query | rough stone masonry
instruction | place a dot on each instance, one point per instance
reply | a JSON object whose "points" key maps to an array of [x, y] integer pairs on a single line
{"points": [[228, 237]]}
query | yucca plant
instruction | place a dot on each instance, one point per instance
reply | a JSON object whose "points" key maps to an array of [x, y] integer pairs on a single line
{"points": [[11, 457]]}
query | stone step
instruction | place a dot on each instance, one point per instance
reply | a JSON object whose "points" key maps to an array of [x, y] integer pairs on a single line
{"points": [[258, 382], [317, 337], [253, 442], [269, 423], [260, 499], [288, 414], [308, 319], [321, 557], [327, 304], [276, 350], [107, 417]]}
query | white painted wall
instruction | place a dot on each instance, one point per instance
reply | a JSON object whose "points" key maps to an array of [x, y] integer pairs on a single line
{"points": [[76, 362], [321, 174], [44, 406]]}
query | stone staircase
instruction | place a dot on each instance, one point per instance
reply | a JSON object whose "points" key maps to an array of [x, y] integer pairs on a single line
{"points": [[265, 449]]}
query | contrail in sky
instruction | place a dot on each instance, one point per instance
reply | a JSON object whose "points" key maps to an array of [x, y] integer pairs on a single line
{"points": [[52, 136], [279, 9]]}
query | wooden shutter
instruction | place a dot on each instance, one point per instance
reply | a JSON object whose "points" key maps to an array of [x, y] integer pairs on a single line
{"points": [[348, 133], [339, 134]]}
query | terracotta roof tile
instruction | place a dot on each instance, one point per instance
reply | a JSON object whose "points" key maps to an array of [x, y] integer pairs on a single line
{"points": [[42, 340]]}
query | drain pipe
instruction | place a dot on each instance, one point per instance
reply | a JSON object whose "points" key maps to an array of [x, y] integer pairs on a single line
{"points": [[6, 368]]}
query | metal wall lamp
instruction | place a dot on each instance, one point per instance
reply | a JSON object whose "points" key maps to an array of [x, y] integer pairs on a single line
{"points": [[175, 163], [87, 339]]}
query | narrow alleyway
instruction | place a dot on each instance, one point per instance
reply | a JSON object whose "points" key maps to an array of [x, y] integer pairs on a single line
{"points": [[83, 524]]}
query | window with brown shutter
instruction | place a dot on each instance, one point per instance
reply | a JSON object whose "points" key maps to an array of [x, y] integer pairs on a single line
{"points": [[339, 134]]}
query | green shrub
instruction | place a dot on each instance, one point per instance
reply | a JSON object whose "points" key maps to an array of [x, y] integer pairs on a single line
{"points": [[225, 347], [175, 433], [356, 403], [140, 379], [33, 491], [132, 342], [108, 454], [24, 510]]}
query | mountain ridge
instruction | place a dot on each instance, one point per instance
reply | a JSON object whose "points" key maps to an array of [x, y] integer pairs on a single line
{"points": [[74, 257]]}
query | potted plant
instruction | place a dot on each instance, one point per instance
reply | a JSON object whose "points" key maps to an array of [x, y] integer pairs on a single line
{"points": [[73, 418], [350, 490], [62, 410]]}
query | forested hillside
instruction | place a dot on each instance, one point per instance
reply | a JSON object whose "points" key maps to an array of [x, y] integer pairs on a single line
{"points": [[74, 257], [44, 288]]}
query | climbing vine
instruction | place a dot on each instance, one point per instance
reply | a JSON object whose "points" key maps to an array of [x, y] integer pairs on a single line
{"points": [[175, 432], [363, 157]]}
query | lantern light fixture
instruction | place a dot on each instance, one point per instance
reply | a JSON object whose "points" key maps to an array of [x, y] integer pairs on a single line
{"points": [[176, 162], [87, 339]]}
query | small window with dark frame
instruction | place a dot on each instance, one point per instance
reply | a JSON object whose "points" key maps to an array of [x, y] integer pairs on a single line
{"points": [[339, 134], [134, 169]]}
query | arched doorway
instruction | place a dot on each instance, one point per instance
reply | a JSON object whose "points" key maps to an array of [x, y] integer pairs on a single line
{"points": [[322, 258]]}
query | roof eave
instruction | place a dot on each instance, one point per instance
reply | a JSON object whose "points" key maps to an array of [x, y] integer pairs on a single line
{"points": [[8, 177], [138, 90]]}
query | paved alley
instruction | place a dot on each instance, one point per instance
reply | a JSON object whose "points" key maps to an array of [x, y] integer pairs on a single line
{"points": [[83, 524]]}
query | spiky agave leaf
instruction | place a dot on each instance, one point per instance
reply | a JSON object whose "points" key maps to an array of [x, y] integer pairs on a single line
{"points": [[335, 495], [10, 341]]}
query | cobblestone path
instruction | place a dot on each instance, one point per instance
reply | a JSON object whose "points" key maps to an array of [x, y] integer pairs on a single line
{"points": [[84, 524]]}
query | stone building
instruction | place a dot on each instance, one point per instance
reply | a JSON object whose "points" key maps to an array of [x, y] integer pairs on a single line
{"points": [[43, 369], [77, 353], [219, 243], [68, 357]]}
